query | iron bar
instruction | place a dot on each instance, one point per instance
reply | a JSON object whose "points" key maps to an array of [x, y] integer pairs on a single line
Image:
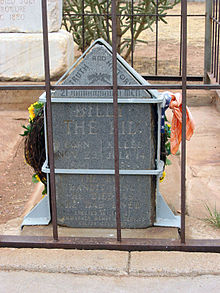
{"points": [[83, 26], [172, 77], [215, 38], [218, 31], [156, 46], [127, 244], [107, 22], [181, 34], [132, 33], [137, 14], [49, 120], [183, 145], [115, 111], [147, 87], [208, 41], [213, 29], [22, 87]]}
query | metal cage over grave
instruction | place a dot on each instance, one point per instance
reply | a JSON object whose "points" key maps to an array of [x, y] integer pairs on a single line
{"points": [[83, 149], [119, 243]]}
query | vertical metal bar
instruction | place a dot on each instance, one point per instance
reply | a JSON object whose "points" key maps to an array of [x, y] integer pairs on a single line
{"points": [[156, 49], [132, 33], [213, 29], [115, 106], [217, 61], [208, 37], [183, 149], [216, 9], [49, 120], [218, 68], [181, 38], [83, 26], [107, 24]]}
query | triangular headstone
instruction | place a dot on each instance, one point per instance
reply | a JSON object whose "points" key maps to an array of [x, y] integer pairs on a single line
{"points": [[84, 146], [96, 69]]}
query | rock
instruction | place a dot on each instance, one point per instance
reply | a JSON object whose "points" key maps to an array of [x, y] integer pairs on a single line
{"points": [[23, 55]]}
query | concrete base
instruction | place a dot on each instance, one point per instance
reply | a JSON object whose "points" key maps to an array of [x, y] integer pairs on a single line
{"points": [[22, 55]]}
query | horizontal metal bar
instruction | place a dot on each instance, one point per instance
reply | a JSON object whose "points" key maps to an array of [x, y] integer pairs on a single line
{"points": [[138, 87], [103, 171], [126, 244], [133, 15], [172, 77], [22, 87], [104, 100]]}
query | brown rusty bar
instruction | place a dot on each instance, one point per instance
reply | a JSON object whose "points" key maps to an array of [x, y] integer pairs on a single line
{"points": [[183, 145], [138, 14], [216, 11], [181, 36], [107, 22], [150, 86], [127, 244], [132, 33], [115, 106], [213, 29], [83, 26], [218, 30], [49, 120], [156, 47]]}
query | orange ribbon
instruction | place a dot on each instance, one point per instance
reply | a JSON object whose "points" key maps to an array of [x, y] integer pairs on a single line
{"points": [[176, 127]]}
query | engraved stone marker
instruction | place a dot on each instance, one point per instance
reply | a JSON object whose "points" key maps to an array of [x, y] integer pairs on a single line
{"points": [[21, 40], [25, 15], [84, 146]]}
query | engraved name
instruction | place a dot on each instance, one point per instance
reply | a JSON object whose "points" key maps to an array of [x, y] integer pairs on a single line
{"points": [[14, 10]]}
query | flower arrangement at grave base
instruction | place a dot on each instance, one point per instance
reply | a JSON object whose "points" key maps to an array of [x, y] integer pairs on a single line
{"points": [[34, 144], [165, 147], [171, 135]]}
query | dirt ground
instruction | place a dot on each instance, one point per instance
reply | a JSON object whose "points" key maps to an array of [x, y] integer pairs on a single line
{"points": [[169, 44], [15, 175]]}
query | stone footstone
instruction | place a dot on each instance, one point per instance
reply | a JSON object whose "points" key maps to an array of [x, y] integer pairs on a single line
{"points": [[23, 55]]}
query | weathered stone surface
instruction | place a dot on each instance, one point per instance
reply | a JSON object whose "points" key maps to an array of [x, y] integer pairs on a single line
{"points": [[22, 55], [96, 69], [65, 261], [83, 139], [174, 263], [89, 201], [26, 16]]}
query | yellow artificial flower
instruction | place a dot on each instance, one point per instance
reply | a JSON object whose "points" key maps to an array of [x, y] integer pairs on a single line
{"points": [[163, 176], [31, 112], [169, 125], [37, 177]]}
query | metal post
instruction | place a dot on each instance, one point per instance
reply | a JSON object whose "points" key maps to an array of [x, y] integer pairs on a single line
{"points": [[49, 120], [156, 48], [183, 149], [115, 106], [132, 33], [83, 26], [208, 37]]}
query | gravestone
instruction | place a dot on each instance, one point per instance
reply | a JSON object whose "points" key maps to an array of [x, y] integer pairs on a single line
{"points": [[84, 146], [21, 40], [25, 16]]}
